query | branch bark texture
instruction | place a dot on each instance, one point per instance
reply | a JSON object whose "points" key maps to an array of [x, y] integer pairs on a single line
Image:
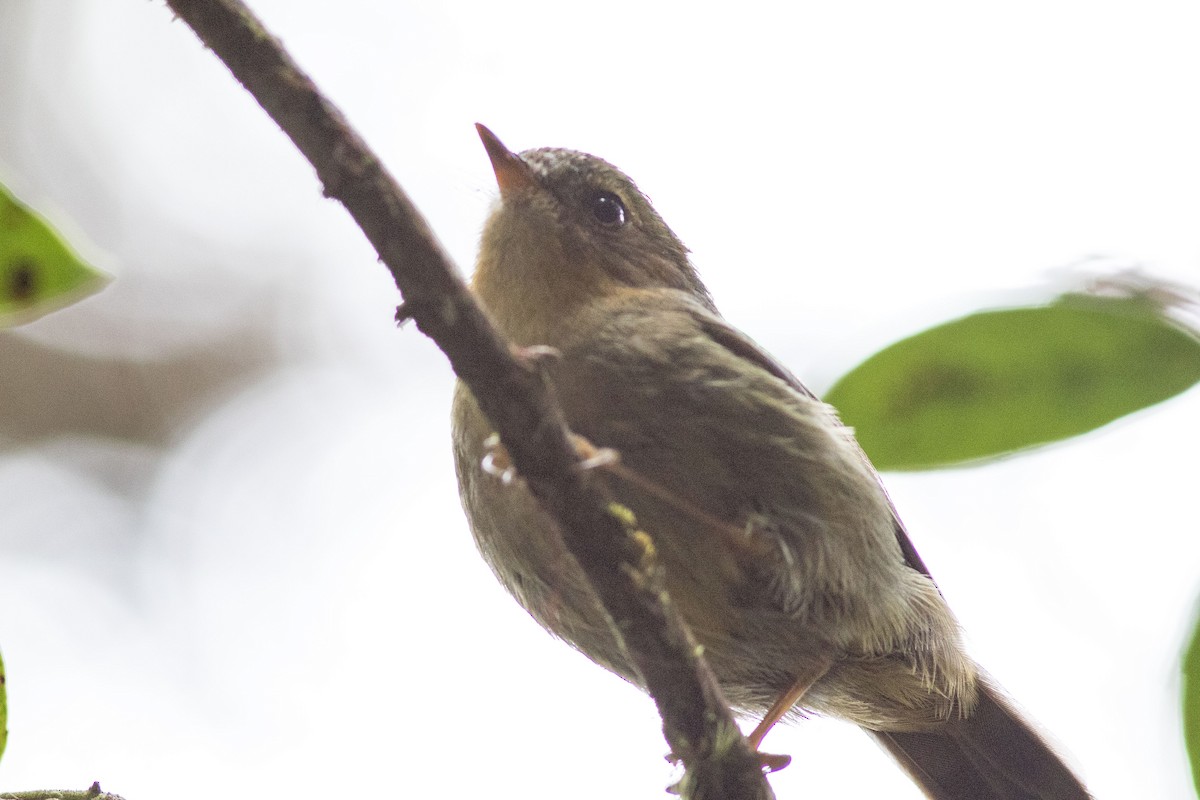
{"points": [[616, 557], [93, 793]]}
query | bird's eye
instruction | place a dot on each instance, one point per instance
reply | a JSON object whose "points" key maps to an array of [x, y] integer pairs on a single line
{"points": [[608, 209]]}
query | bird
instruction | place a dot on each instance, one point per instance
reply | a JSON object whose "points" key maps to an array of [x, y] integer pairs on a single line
{"points": [[780, 547]]}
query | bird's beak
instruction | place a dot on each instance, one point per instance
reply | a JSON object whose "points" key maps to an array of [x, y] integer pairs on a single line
{"points": [[512, 173]]}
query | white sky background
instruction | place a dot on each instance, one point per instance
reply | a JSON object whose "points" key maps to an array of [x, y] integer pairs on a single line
{"points": [[285, 597]]}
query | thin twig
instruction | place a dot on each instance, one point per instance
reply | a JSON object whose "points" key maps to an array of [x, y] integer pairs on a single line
{"points": [[696, 719]]}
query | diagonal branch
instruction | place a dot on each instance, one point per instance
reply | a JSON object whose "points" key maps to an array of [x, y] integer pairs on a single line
{"points": [[616, 557]]}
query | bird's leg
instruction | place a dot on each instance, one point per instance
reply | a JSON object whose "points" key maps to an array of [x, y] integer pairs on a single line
{"points": [[496, 462], [781, 706]]}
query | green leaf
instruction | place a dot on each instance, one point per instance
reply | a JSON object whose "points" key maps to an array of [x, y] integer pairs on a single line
{"points": [[39, 273], [1191, 703], [3, 710], [998, 381]]}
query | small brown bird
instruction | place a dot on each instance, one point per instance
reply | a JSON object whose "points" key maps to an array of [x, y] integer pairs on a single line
{"points": [[782, 551]]}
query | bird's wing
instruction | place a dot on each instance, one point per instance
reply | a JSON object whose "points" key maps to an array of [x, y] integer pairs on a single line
{"points": [[747, 349]]}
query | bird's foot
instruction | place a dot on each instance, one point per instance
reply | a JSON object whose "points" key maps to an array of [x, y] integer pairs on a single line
{"points": [[593, 457], [496, 461]]}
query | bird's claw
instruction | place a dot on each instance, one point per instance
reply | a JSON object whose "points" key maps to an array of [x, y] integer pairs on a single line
{"points": [[593, 457], [496, 461]]}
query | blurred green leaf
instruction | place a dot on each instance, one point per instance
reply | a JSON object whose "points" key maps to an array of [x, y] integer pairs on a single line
{"points": [[3, 710], [998, 381], [1191, 703], [39, 273]]}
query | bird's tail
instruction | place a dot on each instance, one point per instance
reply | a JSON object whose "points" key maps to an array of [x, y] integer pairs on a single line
{"points": [[992, 755]]}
